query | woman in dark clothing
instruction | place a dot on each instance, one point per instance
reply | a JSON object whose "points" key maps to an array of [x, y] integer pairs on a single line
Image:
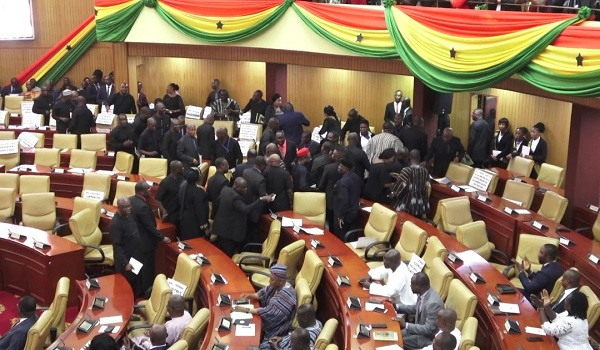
{"points": [[381, 177], [538, 149], [331, 122], [503, 144], [275, 109], [193, 204], [173, 101]]}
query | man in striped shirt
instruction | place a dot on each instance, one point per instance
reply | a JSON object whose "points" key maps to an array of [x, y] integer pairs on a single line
{"points": [[277, 305], [383, 141], [306, 320]]}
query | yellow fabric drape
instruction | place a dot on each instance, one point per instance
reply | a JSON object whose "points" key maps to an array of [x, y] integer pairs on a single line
{"points": [[109, 11], [563, 60]]}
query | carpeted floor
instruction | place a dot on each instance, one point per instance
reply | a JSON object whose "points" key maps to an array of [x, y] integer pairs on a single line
{"points": [[9, 312]]}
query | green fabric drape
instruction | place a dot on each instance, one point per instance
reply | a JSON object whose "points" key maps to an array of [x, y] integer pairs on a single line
{"points": [[115, 28], [584, 85]]}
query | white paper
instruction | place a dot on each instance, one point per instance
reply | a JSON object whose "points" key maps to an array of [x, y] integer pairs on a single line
{"points": [[534, 330], [363, 242], [52, 122], [480, 180], [177, 288], [92, 108], [367, 209], [513, 201], [289, 222], [9, 146], [31, 120], [468, 188], [496, 153], [237, 315], [105, 118], [27, 140], [313, 231], [26, 107], [193, 112], [373, 306], [245, 331], [245, 145], [111, 319], [248, 131], [207, 112], [443, 180], [315, 134], [105, 172], [245, 118], [522, 211], [416, 264], [137, 266], [95, 195], [509, 308], [525, 151], [3, 115]]}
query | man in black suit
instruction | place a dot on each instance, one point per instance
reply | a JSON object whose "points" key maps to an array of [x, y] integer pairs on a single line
{"points": [[214, 94], [257, 106], [168, 146], [228, 148], [61, 111], [43, 104], [570, 282], [127, 244], [480, 140], [82, 121], [346, 193], [149, 142], [306, 142], [146, 224], [393, 108], [12, 89], [536, 282], [279, 182], [206, 138], [122, 137], [123, 101], [248, 164], [16, 337], [444, 149], [268, 135], [287, 149], [407, 113], [414, 137], [92, 90], [167, 194], [357, 156], [320, 161], [215, 184], [330, 176], [187, 148], [257, 187], [105, 92], [230, 224], [163, 121]]}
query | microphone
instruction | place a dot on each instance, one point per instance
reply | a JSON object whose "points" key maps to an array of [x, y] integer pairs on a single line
{"points": [[182, 245], [40, 245], [333, 260]]}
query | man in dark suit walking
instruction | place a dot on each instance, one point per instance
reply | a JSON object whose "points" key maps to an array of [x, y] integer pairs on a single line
{"points": [[230, 224], [257, 187], [536, 282], [279, 182], [330, 176], [105, 92], [61, 111], [187, 149], [346, 196], [287, 149], [420, 334], [393, 108], [82, 121], [215, 184], [16, 337], [228, 148], [206, 138], [149, 235]]}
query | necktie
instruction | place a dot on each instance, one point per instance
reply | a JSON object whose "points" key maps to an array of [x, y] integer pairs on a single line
{"points": [[418, 310], [107, 91], [558, 300]]}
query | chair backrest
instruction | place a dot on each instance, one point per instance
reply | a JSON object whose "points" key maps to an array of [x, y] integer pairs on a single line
{"points": [[59, 305], [459, 172], [41, 139], [193, 331], [552, 175], [474, 236], [9, 180], [7, 202], [310, 205], [4, 118], [84, 229], [93, 142], [39, 210], [123, 162], [553, 206], [453, 212], [228, 124], [381, 224], [593, 306], [203, 169], [520, 192], [212, 170], [34, 184], [312, 270], [187, 272], [124, 189], [412, 241], [269, 246], [331, 347], [303, 296], [12, 104], [326, 334], [7, 135], [179, 345], [64, 141], [11, 160], [557, 289], [155, 167], [97, 183], [440, 277], [521, 166], [47, 157], [493, 182], [290, 255], [462, 300], [80, 203], [529, 246], [468, 334], [39, 332], [435, 249], [156, 307], [83, 159], [596, 229]]}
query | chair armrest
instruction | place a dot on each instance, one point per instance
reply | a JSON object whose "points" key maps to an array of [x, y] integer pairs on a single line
{"points": [[430, 222], [58, 227], [98, 249], [190, 304], [41, 308], [12, 219], [352, 233], [139, 306], [379, 253], [507, 270], [506, 258], [246, 247], [582, 229], [139, 326], [387, 244], [453, 234], [265, 259]]}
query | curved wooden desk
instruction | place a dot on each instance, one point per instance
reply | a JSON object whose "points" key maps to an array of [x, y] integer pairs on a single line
{"points": [[540, 187], [584, 217], [104, 160], [47, 131], [120, 303], [25, 269], [207, 293], [332, 299]]}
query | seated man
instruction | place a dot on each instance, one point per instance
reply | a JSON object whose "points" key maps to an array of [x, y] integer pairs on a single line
{"points": [[306, 320], [300, 339], [421, 333], [175, 326], [391, 280], [446, 322], [444, 341], [536, 282], [16, 337], [277, 305], [570, 282]]}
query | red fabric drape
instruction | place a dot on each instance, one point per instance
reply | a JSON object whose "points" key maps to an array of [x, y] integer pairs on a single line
{"points": [[470, 23], [217, 8], [348, 16], [108, 3], [579, 37]]}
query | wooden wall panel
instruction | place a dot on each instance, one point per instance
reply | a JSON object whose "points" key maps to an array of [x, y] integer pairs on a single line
{"points": [[100, 56], [522, 110], [195, 75], [310, 89]]}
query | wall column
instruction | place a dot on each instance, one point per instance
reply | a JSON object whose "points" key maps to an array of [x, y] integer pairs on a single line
{"points": [[276, 81]]}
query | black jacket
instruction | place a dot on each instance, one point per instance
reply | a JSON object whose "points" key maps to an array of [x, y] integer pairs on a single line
{"points": [[257, 187], [146, 223], [187, 151], [328, 180], [206, 140], [126, 241], [231, 217]]}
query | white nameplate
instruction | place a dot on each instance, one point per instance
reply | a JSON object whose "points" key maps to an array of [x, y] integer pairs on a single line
{"points": [[473, 277], [96, 195], [296, 229], [121, 178], [40, 245], [105, 118], [537, 225], [508, 210], [482, 198], [150, 183], [594, 208], [416, 264], [490, 299], [177, 288], [31, 120], [455, 188], [15, 235], [58, 170], [594, 258], [314, 243], [9, 146], [26, 107], [564, 241]]}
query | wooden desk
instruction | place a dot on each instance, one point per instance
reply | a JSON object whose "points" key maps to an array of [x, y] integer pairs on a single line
{"points": [[332, 299], [207, 293], [25, 269], [491, 333], [584, 217], [104, 161], [540, 187], [49, 134], [120, 302]]}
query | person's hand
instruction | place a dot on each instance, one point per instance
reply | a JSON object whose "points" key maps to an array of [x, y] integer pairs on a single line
{"points": [[536, 301], [455, 159], [526, 265], [528, 156], [195, 161], [169, 111], [64, 119], [167, 240], [402, 322], [244, 296], [518, 266], [365, 282], [395, 175], [107, 108], [153, 153], [127, 343], [164, 218], [127, 143], [340, 222], [546, 298], [128, 267], [274, 340], [509, 156], [494, 158]]}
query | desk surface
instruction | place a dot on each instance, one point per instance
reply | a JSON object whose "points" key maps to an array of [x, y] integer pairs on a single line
{"points": [[209, 293], [120, 303], [104, 160], [540, 187]]}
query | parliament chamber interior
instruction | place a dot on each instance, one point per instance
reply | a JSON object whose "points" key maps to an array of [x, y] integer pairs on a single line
{"points": [[287, 174]]}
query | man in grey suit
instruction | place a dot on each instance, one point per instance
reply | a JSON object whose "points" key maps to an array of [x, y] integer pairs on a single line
{"points": [[187, 148], [421, 333]]}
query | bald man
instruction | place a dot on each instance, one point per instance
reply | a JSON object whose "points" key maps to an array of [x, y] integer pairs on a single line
{"points": [[444, 341], [228, 148], [480, 140], [230, 223], [278, 181], [82, 121], [158, 337], [446, 322], [391, 280], [570, 283], [149, 142], [443, 150]]}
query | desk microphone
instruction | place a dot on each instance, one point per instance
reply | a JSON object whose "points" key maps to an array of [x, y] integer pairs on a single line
{"points": [[218, 345], [40, 245], [333, 260], [62, 346]]}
